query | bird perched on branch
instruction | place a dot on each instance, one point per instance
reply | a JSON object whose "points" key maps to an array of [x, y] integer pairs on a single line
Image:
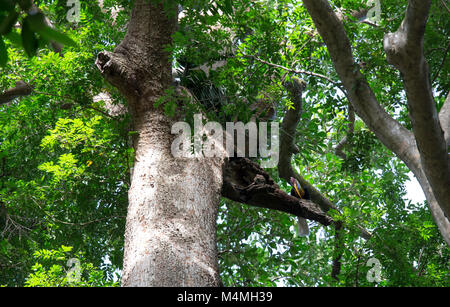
{"points": [[301, 193]]}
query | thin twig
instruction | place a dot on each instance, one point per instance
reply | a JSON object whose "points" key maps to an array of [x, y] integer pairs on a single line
{"points": [[442, 63], [298, 72], [72, 99], [350, 129], [445, 5], [75, 224], [294, 71]]}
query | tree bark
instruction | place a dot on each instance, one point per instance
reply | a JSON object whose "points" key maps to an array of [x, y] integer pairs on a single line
{"points": [[431, 168], [246, 182], [21, 89], [404, 50], [170, 236]]}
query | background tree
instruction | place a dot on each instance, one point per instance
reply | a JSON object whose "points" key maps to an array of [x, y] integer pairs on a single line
{"points": [[66, 165]]}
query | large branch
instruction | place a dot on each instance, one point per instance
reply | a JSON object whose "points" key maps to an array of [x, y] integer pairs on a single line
{"points": [[246, 182], [444, 118], [392, 134], [57, 47], [439, 217], [288, 147], [295, 88], [137, 68], [21, 89], [404, 50]]}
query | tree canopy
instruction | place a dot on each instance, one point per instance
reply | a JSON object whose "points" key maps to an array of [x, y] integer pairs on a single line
{"points": [[66, 158]]}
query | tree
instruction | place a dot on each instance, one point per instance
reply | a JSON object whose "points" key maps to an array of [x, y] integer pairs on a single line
{"points": [[169, 237], [263, 48], [429, 161]]}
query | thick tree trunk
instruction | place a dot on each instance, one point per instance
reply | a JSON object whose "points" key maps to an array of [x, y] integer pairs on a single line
{"points": [[170, 237]]}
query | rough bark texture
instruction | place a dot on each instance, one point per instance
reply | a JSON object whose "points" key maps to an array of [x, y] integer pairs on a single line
{"points": [[246, 182], [424, 151], [21, 89], [170, 237], [288, 148], [295, 88], [404, 50]]}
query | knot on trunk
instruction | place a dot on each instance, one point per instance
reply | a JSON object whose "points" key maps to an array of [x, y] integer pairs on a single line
{"points": [[116, 69]]}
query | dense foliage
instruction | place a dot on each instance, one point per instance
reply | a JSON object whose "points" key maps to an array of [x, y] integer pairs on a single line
{"points": [[65, 161]]}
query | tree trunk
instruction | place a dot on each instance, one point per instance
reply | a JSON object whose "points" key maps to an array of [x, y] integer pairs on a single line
{"points": [[170, 237]]}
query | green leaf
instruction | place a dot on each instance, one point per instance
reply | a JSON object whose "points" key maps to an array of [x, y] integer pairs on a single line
{"points": [[36, 21], [29, 41], [15, 38], [25, 4], [66, 249], [53, 35], [228, 7], [7, 23], [3, 53], [6, 5]]}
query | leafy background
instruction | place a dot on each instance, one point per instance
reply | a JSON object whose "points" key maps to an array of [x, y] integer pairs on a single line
{"points": [[65, 163]]}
